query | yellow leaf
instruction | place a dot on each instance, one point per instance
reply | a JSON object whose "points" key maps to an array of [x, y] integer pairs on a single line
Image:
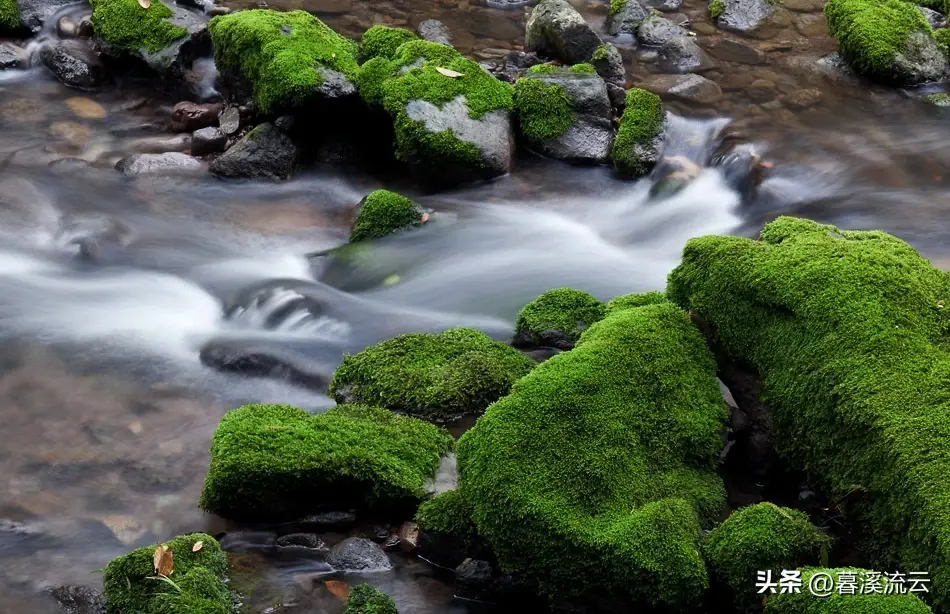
{"points": [[448, 72], [145, 3], [157, 556], [197, 546], [164, 561], [340, 590]]}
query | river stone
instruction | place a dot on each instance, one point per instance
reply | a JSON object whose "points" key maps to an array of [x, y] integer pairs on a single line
{"points": [[743, 15], [729, 50], [683, 55], [514, 65], [666, 6], [33, 13], [79, 600], [610, 67], [359, 554], [556, 29], [12, 56], [188, 116], [302, 541], [627, 18], [656, 30], [208, 140], [935, 19], [172, 163], [230, 121], [66, 27], [921, 61], [691, 87], [74, 63], [434, 31], [264, 153], [326, 521]]}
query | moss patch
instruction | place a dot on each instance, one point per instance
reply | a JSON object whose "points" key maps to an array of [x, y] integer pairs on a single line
{"points": [[616, 6], [601, 53], [938, 100], [849, 331], [942, 36], [279, 53], [129, 583], [383, 41], [716, 8], [435, 376], [871, 32], [594, 474], [364, 599], [565, 312], [448, 515], [641, 122], [276, 462], [543, 69], [544, 109], [383, 213], [9, 16], [125, 24], [583, 69], [836, 603], [635, 299]]}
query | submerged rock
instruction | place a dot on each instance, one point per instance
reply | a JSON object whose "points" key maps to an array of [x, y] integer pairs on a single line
{"points": [[74, 63], [172, 163], [359, 554], [264, 153], [555, 29], [625, 16], [308, 542], [556, 319], [693, 88], [655, 30], [640, 135], [434, 31], [681, 54], [740, 15], [12, 56]]}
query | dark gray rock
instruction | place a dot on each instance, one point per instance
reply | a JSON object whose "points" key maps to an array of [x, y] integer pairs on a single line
{"points": [[729, 50], [691, 87], [609, 65], [173, 163], [921, 60], [263, 359], [655, 30], [627, 18], [79, 600], [188, 116], [667, 6], [85, 29], [34, 13], [12, 56], [230, 121], [744, 15], [474, 574], [285, 123], [264, 153], [207, 141], [434, 31], [359, 554], [515, 65], [683, 55], [302, 541], [555, 29], [328, 521], [935, 19], [74, 63]]}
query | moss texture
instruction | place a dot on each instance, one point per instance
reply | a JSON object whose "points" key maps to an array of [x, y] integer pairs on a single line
{"points": [[595, 473], [584, 69], [564, 311], [871, 32], [601, 53], [849, 333], [635, 299], [641, 122], [364, 599], [131, 587], [616, 6], [942, 36], [938, 100], [543, 69], [757, 538], [448, 515], [436, 376], [276, 462], [806, 603], [125, 24], [544, 109], [279, 53], [383, 213], [383, 41], [9, 16], [716, 8]]}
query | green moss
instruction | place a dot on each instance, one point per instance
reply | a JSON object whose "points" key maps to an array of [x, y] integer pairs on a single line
{"points": [[849, 331], [716, 8], [449, 515], [641, 122], [436, 376], [371, 77], [871, 33], [635, 299], [601, 53], [125, 24], [383, 213], [836, 603], [280, 54], [942, 36], [758, 538], [275, 462], [364, 599], [383, 41], [938, 100], [565, 312], [544, 109], [543, 69], [583, 69], [616, 6], [594, 474], [9, 16], [130, 585]]}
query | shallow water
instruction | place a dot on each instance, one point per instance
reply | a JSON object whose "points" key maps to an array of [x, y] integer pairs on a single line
{"points": [[107, 409]]}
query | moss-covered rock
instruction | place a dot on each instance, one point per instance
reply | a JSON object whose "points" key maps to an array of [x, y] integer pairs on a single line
{"points": [[382, 213], [849, 333], [364, 599], [448, 515], [635, 299], [383, 41], [439, 377], [9, 16], [640, 135], [544, 109], [556, 30], [289, 59], [557, 318], [195, 585], [275, 462], [837, 603], [758, 538], [594, 475], [888, 40], [625, 16]]}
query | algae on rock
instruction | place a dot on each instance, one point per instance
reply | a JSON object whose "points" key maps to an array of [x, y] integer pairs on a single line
{"points": [[557, 318], [382, 213]]}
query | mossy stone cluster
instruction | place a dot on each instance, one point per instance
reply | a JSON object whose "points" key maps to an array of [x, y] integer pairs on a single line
{"points": [[383, 41], [641, 123], [557, 318], [757, 538], [125, 24], [280, 54], [449, 516], [9, 16], [439, 377], [382, 213], [849, 332], [595, 474], [277, 463], [196, 583], [635, 299], [364, 599], [545, 111], [836, 603]]}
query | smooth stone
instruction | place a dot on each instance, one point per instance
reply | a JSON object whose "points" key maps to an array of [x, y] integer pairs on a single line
{"points": [[556, 29], [189, 116], [434, 31], [161, 144], [159, 164], [207, 141], [690, 87], [66, 27], [74, 63], [359, 554], [655, 30], [683, 55], [729, 50], [12, 56]]}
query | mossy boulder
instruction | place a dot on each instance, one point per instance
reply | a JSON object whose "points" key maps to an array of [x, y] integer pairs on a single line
{"points": [[639, 141], [276, 463], [364, 599], [635, 299], [437, 376], [886, 40], [837, 603], [557, 318], [447, 532], [848, 331], [383, 41], [9, 17], [758, 538], [625, 17], [289, 59], [743, 16], [451, 117], [594, 476], [382, 213], [608, 63], [194, 586], [556, 30]]}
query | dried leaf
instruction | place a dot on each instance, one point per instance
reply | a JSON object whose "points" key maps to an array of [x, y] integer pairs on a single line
{"points": [[197, 546], [340, 590], [157, 556], [145, 3], [163, 560], [425, 218], [448, 72]]}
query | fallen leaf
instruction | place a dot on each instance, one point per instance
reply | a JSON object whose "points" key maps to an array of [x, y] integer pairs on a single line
{"points": [[145, 3], [449, 72], [339, 589], [86, 108], [164, 561], [425, 218], [157, 556], [197, 546]]}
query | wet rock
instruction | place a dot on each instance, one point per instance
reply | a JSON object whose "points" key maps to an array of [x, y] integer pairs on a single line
{"points": [[188, 116], [12, 56], [691, 87], [207, 141], [79, 600], [264, 153], [159, 164], [802, 99], [683, 55], [515, 65], [435, 31], [742, 15], [230, 121], [251, 359], [625, 17], [935, 19], [654, 31], [97, 239], [666, 6], [729, 50], [84, 28], [66, 27], [359, 554], [161, 144], [474, 574], [74, 63], [556, 29], [285, 123], [921, 60], [302, 541], [608, 63], [380, 534], [70, 165], [328, 521], [33, 13], [408, 535], [761, 90]]}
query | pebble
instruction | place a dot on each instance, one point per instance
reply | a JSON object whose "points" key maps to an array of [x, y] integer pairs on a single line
{"points": [[359, 554], [802, 99], [208, 140], [730, 50], [86, 108], [691, 87], [230, 121]]}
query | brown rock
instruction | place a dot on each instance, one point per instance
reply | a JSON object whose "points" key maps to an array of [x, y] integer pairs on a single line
{"points": [[811, 25], [691, 87], [802, 99], [188, 116], [761, 90], [409, 537], [730, 50]]}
